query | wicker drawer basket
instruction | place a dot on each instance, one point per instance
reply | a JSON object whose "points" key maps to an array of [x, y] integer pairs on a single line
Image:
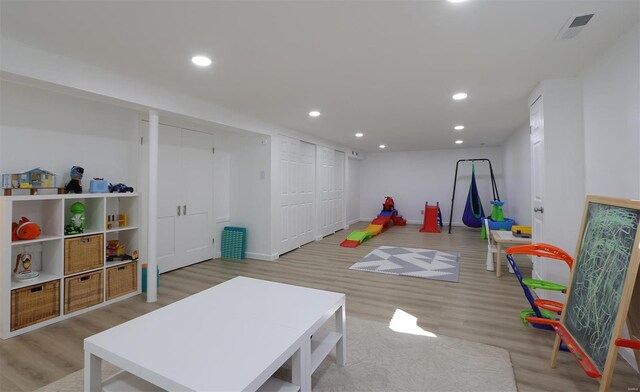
{"points": [[82, 291], [83, 253], [33, 304], [121, 280]]}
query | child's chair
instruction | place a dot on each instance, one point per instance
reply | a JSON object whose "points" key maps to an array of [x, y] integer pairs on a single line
{"points": [[491, 248]]}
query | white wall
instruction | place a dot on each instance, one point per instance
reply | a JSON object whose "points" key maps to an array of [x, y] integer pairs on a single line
{"points": [[221, 196], [412, 178], [516, 155], [250, 193], [353, 185], [611, 101], [57, 131], [611, 88]]}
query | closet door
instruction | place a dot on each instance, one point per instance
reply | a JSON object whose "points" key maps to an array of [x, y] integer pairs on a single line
{"points": [[185, 197], [196, 225], [169, 194], [307, 191], [289, 194], [338, 194], [327, 190]]}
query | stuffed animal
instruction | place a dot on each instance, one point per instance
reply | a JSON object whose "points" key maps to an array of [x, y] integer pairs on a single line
{"points": [[75, 185], [25, 230]]}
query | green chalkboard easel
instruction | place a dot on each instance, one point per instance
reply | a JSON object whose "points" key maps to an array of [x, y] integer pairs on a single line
{"points": [[604, 291]]}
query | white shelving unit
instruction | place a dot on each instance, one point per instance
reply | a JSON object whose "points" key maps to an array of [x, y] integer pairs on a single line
{"points": [[51, 213]]}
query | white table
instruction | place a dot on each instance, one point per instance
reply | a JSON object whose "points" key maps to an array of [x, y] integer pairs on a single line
{"points": [[231, 337], [505, 237]]}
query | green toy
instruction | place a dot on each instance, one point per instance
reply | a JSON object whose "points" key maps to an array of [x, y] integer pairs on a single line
{"points": [[77, 220]]}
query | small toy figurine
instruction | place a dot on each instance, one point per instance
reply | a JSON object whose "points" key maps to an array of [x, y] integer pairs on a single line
{"points": [[134, 255], [77, 220], [25, 230], [75, 185], [22, 270]]}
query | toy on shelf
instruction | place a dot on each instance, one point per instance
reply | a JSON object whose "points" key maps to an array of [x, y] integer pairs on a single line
{"points": [[77, 219], [120, 188], [25, 230], [98, 185], [120, 220], [387, 217], [432, 218], [117, 251], [75, 185], [22, 271], [33, 179]]}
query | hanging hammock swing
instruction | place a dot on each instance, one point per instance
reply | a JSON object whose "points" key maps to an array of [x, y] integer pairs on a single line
{"points": [[473, 211]]}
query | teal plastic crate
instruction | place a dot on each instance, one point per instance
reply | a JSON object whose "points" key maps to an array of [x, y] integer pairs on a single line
{"points": [[234, 242]]}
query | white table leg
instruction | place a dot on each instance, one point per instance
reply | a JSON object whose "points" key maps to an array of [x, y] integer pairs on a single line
{"points": [[341, 328], [92, 372], [301, 367]]}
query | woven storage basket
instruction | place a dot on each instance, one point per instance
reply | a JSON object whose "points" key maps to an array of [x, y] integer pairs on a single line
{"points": [[234, 242], [121, 280], [82, 291], [33, 304], [83, 253]]}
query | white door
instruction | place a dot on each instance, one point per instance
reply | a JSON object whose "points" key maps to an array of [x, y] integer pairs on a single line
{"points": [[185, 197], [289, 197], [327, 184], [307, 192], [196, 225], [169, 194], [339, 211], [536, 122]]}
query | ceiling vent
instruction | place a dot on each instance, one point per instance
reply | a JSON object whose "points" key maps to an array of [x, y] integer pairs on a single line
{"points": [[574, 26]]}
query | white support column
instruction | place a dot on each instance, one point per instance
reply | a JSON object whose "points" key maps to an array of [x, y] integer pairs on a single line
{"points": [[152, 224]]}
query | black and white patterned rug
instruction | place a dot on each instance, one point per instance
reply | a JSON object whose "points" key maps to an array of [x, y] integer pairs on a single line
{"points": [[421, 263]]}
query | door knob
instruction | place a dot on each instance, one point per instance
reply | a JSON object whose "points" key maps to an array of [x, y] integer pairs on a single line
{"points": [[540, 210], [184, 209], [178, 210]]}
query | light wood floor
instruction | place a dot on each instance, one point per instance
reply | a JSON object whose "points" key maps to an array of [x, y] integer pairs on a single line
{"points": [[480, 308]]}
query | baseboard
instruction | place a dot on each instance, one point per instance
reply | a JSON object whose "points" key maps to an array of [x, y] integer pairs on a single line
{"points": [[261, 256], [223, 219], [353, 221]]}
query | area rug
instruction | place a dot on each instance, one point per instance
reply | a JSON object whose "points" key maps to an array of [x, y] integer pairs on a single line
{"points": [[421, 263], [381, 359]]}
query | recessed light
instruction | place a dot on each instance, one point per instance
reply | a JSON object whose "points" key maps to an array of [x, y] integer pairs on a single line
{"points": [[459, 127], [201, 61], [459, 96], [458, 141], [456, 1], [359, 134], [382, 146], [314, 113]]}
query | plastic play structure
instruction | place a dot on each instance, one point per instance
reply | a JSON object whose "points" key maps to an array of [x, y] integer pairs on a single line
{"points": [[387, 217], [473, 211], [432, 218], [540, 308]]}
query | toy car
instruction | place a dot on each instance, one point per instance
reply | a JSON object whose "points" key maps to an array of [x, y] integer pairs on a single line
{"points": [[120, 188]]}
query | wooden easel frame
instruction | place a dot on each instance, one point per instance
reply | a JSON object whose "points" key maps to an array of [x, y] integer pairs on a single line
{"points": [[629, 307]]}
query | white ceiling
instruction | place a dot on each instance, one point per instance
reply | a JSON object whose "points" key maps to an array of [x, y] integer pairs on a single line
{"points": [[387, 69]]}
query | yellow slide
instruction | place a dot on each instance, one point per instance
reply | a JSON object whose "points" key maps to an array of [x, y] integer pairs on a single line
{"points": [[374, 229]]}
